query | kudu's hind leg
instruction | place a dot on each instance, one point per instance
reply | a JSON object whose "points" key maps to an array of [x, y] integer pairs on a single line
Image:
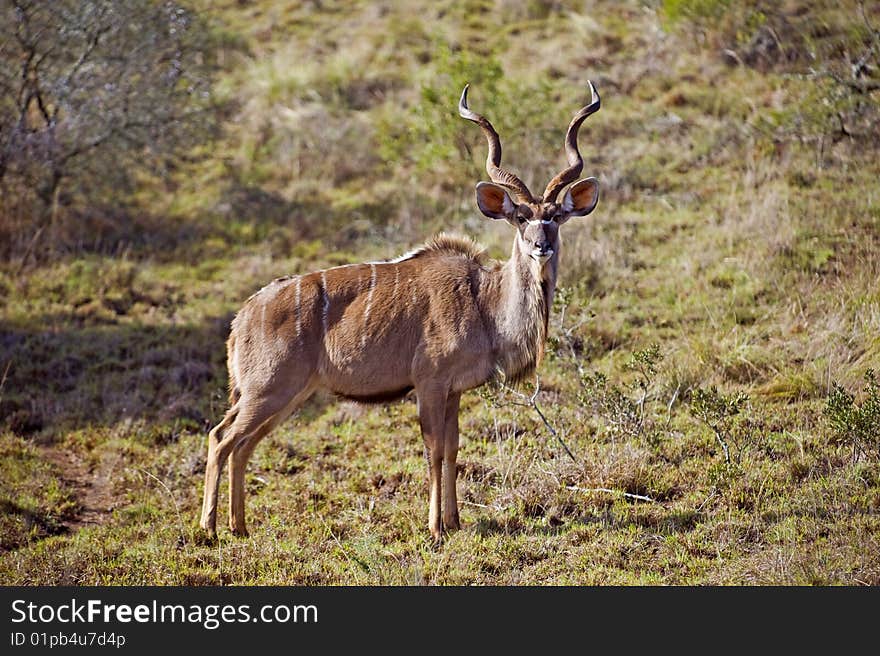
{"points": [[213, 466], [248, 418], [238, 459], [272, 411]]}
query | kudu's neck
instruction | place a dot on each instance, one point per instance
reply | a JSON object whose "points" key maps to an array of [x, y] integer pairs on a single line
{"points": [[522, 296], [525, 278]]}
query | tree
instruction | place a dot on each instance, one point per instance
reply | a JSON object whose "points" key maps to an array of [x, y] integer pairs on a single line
{"points": [[94, 86]]}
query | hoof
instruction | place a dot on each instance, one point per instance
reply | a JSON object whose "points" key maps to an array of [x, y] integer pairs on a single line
{"points": [[205, 535], [452, 524]]}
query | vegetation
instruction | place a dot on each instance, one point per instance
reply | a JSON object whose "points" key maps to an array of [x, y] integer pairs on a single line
{"points": [[92, 92], [712, 346]]}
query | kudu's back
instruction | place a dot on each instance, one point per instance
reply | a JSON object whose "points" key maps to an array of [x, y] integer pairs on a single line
{"points": [[366, 332]]}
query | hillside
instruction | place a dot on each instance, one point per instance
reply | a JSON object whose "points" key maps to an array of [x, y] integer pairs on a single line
{"points": [[711, 345]]}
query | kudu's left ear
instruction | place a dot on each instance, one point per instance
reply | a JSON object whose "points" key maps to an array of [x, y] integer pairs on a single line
{"points": [[494, 202], [580, 199]]}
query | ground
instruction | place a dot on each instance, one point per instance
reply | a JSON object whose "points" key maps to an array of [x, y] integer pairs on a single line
{"points": [[720, 296]]}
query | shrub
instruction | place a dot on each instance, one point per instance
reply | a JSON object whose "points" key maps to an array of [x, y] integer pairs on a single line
{"points": [[628, 410], [856, 422], [716, 410], [92, 92]]}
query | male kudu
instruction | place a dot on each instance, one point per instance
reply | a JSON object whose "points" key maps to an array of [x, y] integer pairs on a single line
{"points": [[439, 320]]}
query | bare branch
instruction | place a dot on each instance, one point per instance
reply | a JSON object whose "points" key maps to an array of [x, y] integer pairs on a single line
{"points": [[628, 495], [94, 82], [5, 374], [90, 48], [859, 87], [532, 402], [173, 500]]}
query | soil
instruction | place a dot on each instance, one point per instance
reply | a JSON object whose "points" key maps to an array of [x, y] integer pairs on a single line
{"points": [[92, 486]]}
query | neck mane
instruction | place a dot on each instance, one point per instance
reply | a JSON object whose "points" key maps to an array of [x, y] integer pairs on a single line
{"points": [[518, 296]]}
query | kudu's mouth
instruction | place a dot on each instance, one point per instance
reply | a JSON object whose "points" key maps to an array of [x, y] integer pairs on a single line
{"points": [[542, 257]]}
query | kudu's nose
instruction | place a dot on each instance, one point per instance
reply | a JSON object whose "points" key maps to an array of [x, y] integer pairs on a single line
{"points": [[544, 247]]}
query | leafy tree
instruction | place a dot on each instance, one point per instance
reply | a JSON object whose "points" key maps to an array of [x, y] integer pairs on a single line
{"points": [[91, 90]]}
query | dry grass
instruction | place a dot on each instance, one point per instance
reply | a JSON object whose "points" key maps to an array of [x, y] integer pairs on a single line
{"points": [[746, 254]]}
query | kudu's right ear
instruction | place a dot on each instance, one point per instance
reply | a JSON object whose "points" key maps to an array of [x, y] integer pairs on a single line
{"points": [[580, 199], [494, 202]]}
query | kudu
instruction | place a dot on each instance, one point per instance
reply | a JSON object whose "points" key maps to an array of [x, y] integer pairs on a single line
{"points": [[440, 320]]}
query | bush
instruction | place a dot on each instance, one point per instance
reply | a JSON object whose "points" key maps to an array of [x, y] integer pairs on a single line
{"points": [[856, 423], [93, 91], [717, 411], [628, 410]]}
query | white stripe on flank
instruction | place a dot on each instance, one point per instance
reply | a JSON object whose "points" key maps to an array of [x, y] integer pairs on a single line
{"points": [[396, 282], [342, 266], [402, 258], [298, 310], [407, 256], [369, 303], [326, 313], [397, 260]]}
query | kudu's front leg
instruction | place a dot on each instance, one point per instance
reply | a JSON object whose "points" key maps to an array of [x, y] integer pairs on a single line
{"points": [[432, 420], [450, 455]]}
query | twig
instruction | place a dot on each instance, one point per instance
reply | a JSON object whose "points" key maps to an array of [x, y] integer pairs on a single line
{"points": [[641, 404], [707, 499], [532, 402], [723, 443], [553, 431], [173, 500], [472, 503], [27, 251], [220, 559], [671, 403], [628, 495], [863, 88], [875, 41], [3, 380], [351, 560]]}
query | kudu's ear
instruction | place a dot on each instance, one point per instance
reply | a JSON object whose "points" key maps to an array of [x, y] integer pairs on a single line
{"points": [[494, 202], [580, 199]]}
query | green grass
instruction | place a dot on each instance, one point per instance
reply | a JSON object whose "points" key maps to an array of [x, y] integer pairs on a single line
{"points": [[745, 250]]}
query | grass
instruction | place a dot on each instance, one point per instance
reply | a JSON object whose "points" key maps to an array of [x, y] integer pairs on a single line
{"points": [[746, 254]]}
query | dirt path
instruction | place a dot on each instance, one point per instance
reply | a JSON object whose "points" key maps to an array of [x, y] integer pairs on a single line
{"points": [[92, 487]]}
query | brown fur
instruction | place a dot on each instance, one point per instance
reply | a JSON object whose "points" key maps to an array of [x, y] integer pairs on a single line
{"points": [[440, 320], [446, 244]]}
